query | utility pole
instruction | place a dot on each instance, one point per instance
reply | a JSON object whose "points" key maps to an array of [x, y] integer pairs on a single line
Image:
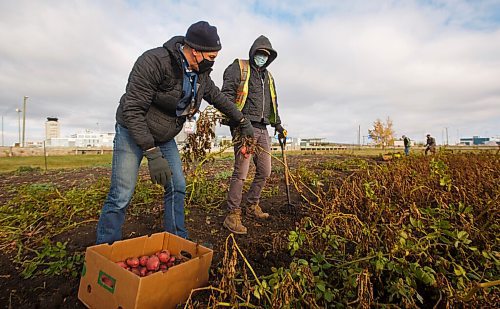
{"points": [[19, 126], [24, 117], [2, 131], [359, 135], [447, 136]]}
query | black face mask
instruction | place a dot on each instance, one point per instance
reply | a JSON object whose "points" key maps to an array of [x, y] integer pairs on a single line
{"points": [[204, 65]]}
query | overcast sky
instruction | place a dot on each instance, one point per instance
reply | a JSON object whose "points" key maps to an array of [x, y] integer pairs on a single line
{"points": [[428, 65]]}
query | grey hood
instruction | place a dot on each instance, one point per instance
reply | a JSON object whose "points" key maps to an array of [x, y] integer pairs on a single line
{"points": [[263, 42]]}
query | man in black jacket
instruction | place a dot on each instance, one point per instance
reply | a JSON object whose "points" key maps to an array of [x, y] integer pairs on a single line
{"points": [[165, 87], [430, 145], [407, 144], [251, 87]]}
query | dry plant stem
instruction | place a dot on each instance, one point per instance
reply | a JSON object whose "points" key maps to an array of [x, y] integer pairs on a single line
{"points": [[223, 304], [211, 155], [478, 286], [438, 301], [211, 288], [239, 305], [248, 264], [294, 181], [342, 215], [199, 166]]}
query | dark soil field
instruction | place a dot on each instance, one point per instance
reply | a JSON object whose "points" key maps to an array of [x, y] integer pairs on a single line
{"points": [[379, 231], [204, 226]]}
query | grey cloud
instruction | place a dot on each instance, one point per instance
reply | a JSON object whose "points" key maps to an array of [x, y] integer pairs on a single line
{"points": [[339, 65]]}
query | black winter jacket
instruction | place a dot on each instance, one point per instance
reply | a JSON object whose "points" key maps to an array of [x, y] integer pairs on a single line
{"points": [[431, 141], [147, 109], [258, 104]]}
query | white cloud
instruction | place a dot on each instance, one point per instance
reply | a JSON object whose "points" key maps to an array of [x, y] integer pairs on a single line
{"points": [[427, 65]]}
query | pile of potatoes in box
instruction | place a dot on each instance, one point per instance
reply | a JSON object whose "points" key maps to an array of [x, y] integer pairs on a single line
{"points": [[146, 265]]}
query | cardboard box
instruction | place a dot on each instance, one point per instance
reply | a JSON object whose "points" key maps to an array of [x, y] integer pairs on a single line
{"points": [[104, 284]]}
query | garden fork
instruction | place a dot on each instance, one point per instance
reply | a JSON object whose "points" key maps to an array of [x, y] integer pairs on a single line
{"points": [[289, 207]]}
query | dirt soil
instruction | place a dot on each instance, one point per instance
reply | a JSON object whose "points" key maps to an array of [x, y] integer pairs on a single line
{"points": [[264, 245]]}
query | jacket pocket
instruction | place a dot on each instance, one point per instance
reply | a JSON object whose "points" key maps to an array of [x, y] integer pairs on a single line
{"points": [[165, 102], [163, 127]]}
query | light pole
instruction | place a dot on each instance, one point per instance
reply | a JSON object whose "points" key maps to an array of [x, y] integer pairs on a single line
{"points": [[19, 125], [447, 136], [24, 117]]}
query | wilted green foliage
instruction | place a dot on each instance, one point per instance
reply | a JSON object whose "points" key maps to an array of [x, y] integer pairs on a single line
{"points": [[39, 211], [412, 232]]}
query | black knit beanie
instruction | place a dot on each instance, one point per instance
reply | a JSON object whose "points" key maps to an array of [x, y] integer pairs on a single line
{"points": [[203, 37]]}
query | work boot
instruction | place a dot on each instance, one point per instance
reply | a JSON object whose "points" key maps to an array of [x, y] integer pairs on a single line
{"points": [[256, 212], [233, 222]]}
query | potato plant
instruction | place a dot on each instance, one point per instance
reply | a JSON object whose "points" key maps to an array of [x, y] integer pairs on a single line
{"points": [[416, 228], [411, 232], [39, 211]]}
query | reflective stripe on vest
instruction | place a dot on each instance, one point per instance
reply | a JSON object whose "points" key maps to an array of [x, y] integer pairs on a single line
{"points": [[242, 91]]}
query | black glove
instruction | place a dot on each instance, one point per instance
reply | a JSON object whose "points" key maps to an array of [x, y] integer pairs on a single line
{"points": [[280, 130], [158, 166], [246, 128]]}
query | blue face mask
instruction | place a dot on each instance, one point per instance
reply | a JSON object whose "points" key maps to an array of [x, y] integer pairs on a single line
{"points": [[260, 60]]}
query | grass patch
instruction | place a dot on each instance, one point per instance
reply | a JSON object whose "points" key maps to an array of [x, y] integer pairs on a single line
{"points": [[11, 164]]}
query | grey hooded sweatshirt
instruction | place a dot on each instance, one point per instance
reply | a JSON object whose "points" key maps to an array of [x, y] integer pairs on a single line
{"points": [[258, 104]]}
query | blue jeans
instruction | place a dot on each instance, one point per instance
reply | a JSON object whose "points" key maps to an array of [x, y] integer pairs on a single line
{"points": [[127, 156], [407, 151]]}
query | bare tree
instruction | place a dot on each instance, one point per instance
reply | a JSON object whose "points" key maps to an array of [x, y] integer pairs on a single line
{"points": [[382, 133]]}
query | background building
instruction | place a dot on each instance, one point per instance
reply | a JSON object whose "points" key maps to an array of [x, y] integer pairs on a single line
{"points": [[83, 139], [475, 140], [52, 129], [401, 143]]}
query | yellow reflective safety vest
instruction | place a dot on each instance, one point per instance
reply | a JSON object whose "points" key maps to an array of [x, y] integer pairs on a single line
{"points": [[242, 92]]}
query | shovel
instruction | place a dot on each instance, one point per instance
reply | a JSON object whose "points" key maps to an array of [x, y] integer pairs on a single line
{"points": [[289, 207]]}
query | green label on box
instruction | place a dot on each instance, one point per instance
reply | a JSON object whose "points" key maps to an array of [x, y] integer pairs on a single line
{"points": [[106, 281]]}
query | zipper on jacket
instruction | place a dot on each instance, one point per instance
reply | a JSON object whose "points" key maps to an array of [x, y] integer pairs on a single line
{"points": [[263, 98]]}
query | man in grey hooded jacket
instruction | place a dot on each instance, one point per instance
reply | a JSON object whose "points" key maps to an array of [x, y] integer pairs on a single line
{"points": [[256, 97]]}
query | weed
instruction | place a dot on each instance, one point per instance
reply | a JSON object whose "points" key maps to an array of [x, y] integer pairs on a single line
{"points": [[27, 170], [52, 260], [223, 175]]}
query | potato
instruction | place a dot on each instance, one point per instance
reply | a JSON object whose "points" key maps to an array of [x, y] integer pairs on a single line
{"points": [[133, 262], [245, 151], [122, 264], [136, 271], [143, 260], [164, 256], [171, 261], [142, 271], [153, 263]]}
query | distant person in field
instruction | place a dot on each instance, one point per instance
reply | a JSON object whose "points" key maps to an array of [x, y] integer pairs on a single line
{"points": [[430, 145], [407, 144], [165, 87], [250, 86]]}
